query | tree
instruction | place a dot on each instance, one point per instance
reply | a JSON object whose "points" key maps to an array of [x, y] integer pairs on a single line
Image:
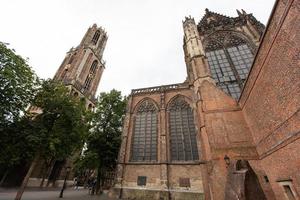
{"points": [[60, 128], [105, 137], [17, 86]]}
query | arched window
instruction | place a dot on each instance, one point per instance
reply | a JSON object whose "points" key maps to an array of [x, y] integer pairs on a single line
{"points": [[96, 37], [230, 58], [144, 141], [64, 73], [91, 75], [183, 141]]}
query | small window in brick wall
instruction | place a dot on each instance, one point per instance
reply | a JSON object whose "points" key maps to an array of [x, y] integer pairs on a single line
{"points": [[184, 182], [141, 180]]}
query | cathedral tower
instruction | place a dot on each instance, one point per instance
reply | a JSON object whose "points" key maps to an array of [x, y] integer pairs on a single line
{"points": [[80, 71], [82, 68]]}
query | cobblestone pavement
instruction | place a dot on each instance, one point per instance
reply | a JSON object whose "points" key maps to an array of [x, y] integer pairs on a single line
{"points": [[37, 194]]}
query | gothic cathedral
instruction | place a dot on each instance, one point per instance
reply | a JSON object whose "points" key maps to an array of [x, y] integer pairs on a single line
{"points": [[230, 130]]}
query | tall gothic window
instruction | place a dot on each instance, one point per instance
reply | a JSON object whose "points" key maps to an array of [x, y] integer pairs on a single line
{"points": [[91, 75], [229, 59], [183, 142], [144, 141], [96, 37]]}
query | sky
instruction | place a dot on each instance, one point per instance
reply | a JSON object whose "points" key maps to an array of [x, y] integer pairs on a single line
{"points": [[145, 37]]}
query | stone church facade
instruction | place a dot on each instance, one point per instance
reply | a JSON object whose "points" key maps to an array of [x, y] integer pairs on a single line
{"points": [[80, 71], [231, 130]]}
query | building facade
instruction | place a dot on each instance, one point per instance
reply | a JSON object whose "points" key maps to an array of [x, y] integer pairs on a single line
{"points": [[231, 130], [80, 71]]}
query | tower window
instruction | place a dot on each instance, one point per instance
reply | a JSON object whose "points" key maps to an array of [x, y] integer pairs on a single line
{"points": [[144, 141], [96, 37], [64, 73], [91, 75], [183, 142], [229, 58]]}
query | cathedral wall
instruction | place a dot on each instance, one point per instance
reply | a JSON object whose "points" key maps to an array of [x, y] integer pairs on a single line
{"points": [[152, 172], [271, 100], [224, 132], [163, 175]]}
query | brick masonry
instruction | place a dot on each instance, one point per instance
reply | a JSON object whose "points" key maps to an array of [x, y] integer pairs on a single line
{"points": [[259, 133]]}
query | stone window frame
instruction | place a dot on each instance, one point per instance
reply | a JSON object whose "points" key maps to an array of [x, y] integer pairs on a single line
{"points": [[140, 108], [168, 131], [221, 49], [91, 75], [289, 183], [96, 37]]}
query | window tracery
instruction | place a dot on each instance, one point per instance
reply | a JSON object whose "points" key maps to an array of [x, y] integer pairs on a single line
{"points": [[144, 141], [91, 75], [229, 57], [96, 37], [183, 142]]}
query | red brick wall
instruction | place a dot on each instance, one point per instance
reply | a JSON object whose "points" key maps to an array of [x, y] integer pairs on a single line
{"points": [[271, 98]]}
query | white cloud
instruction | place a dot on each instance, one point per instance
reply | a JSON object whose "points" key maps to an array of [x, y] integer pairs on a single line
{"points": [[145, 36]]}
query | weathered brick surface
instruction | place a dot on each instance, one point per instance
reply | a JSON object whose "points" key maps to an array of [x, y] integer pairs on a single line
{"points": [[261, 129], [271, 100]]}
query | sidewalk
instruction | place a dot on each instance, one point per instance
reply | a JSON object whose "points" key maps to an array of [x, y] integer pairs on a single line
{"points": [[51, 194]]}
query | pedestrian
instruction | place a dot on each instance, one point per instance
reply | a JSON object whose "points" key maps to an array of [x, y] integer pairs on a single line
{"points": [[94, 185], [77, 184], [74, 182], [90, 185]]}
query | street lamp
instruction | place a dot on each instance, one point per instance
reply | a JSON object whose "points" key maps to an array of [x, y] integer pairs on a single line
{"points": [[68, 169], [227, 160]]}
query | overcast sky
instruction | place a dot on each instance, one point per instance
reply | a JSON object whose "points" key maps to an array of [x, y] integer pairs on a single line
{"points": [[145, 41]]}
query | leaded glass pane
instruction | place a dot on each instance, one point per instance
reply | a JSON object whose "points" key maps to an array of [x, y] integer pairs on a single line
{"points": [[230, 67], [183, 144], [144, 142]]}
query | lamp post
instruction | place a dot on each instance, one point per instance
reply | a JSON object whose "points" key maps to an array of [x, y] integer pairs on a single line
{"points": [[227, 160], [68, 169]]}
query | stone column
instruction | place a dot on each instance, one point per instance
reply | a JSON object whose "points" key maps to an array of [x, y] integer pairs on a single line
{"points": [[163, 145]]}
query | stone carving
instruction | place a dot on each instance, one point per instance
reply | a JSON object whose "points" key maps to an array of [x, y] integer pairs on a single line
{"points": [[223, 39], [146, 106], [213, 21], [178, 104]]}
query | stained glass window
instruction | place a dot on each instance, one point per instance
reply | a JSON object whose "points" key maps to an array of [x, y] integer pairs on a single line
{"points": [[183, 143], [144, 142], [229, 62]]}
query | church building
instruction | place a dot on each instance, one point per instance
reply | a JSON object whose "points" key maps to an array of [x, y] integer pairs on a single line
{"points": [[231, 129]]}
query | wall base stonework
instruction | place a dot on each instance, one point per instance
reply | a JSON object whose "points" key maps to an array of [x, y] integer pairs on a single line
{"points": [[145, 194]]}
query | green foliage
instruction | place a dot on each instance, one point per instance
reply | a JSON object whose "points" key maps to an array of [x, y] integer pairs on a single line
{"points": [[17, 138], [17, 86], [57, 130], [104, 140], [63, 124]]}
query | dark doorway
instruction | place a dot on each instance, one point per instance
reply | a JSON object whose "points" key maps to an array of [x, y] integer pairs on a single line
{"points": [[242, 183], [253, 189]]}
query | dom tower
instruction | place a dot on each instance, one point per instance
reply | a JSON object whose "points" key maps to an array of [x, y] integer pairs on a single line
{"points": [[82, 67], [80, 71]]}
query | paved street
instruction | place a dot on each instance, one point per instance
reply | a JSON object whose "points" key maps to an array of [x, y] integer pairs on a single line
{"points": [[35, 194]]}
